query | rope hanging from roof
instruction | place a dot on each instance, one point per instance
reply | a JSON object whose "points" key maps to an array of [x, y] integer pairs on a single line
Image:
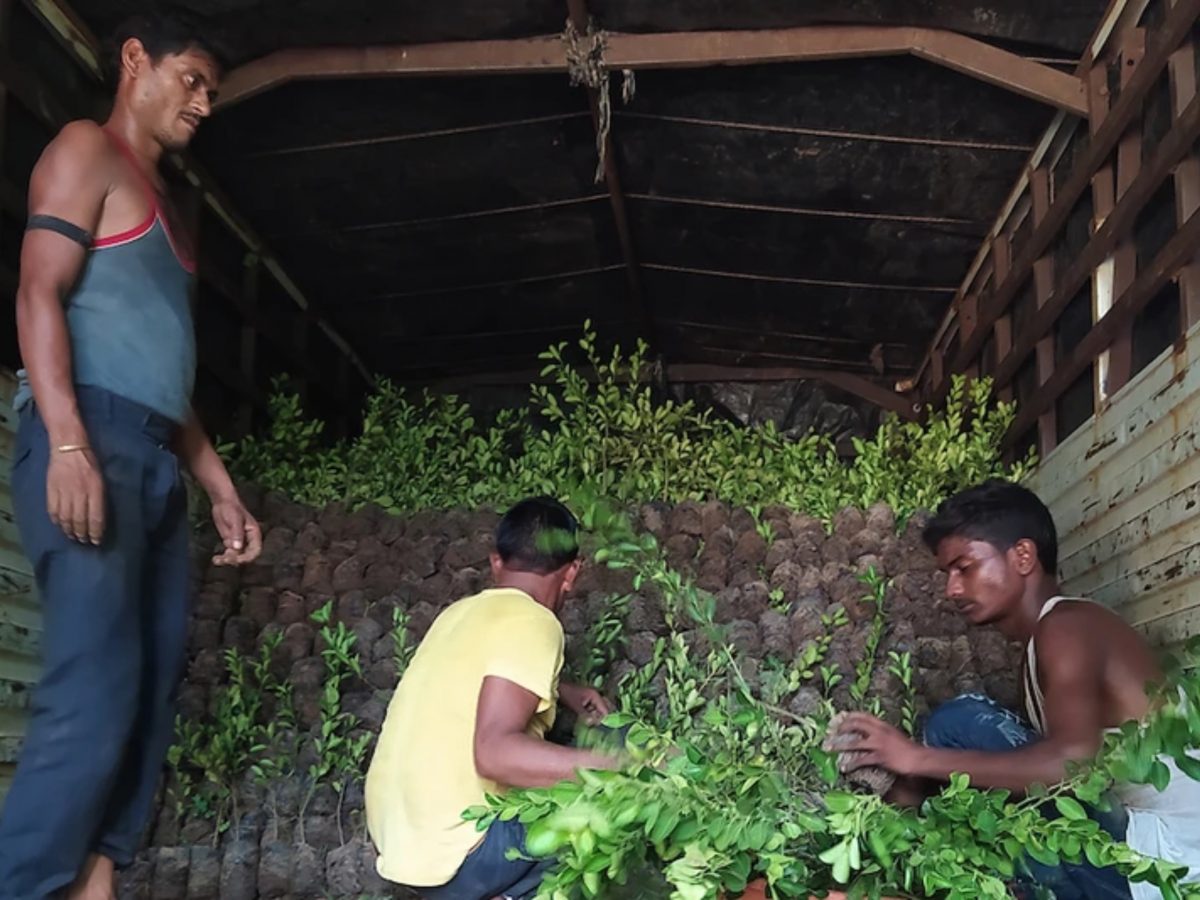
{"points": [[586, 66]]}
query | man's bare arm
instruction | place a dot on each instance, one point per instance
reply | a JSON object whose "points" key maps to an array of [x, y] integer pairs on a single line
{"points": [[239, 530], [64, 184], [1072, 676], [67, 183], [1072, 679], [504, 753]]}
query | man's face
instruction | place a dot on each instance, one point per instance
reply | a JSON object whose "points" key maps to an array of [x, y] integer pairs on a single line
{"points": [[175, 94], [984, 582]]}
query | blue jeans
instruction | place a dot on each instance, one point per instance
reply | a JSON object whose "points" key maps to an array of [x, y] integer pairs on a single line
{"points": [[114, 642], [486, 873], [976, 722]]}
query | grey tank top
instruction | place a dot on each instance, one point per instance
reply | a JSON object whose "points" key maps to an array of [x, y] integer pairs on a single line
{"points": [[129, 317]]}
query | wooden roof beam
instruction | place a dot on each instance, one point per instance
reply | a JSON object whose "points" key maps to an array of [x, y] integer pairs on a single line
{"points": [[667, 50], [865, 388], [693, 373]]}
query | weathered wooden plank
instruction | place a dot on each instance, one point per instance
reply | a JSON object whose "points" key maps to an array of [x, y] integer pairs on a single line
{"points": [[1174, 628], [13, 557], [7, 441], [19, 667], [1125, 492], [1178, 596], [15, 696], [11, 724], [18, 589], [8, 523], [1127, 582], [1164, 505], [20, 614], [1145, 400], [20, 619], [19, 640], [8, 436], [1116, 442], [1086, 567], [8, 427], [1102, 490]]}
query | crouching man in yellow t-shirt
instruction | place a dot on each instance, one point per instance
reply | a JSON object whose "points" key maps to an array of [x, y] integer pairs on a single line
{"points": [[469, 716]]}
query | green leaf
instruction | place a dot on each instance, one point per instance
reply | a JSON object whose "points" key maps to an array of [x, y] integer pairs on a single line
{"points": [[1159, 775], [839, 802], [1042, 854], [1070, 808], [1189, 765]]}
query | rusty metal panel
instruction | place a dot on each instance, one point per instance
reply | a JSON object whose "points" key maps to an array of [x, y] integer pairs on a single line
{"points": [[20, 620], [1125, 493]]}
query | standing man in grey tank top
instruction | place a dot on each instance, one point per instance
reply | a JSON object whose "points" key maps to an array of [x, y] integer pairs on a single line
{"points": [[105, 420]]}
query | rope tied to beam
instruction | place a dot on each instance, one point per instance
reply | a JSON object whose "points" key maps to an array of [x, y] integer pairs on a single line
{"points": [[586, 66]]}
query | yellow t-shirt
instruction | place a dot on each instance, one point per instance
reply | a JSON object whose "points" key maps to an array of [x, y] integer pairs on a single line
{"points": [[423, 776]]}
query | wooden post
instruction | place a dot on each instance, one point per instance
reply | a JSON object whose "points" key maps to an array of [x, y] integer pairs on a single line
{"points": [[968, 314], [251, 273], [1104, 192], [936, 366], [1129, 162], [1002, 328], [1043, 287], [1182, 72]]}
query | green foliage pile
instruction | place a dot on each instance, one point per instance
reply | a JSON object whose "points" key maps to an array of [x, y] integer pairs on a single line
{"points": [[252, 736], [601, 425], [722, 786]]}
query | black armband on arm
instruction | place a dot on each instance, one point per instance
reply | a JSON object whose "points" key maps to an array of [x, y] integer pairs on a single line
{"points": [[60, 226]]}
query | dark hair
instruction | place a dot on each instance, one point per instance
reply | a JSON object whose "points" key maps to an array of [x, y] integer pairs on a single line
{"points": [[1000, 513], [163, 33], [538, 535]]}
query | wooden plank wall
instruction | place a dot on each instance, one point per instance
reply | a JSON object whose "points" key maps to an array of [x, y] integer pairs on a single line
{"points": [[1092, 269], [1125, 493], [1083, 307], [20, 622]]}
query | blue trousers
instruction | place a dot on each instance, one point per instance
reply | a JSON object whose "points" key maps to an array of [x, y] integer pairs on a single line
{"points": [[976, 722], [114, 643], [486, 873]]}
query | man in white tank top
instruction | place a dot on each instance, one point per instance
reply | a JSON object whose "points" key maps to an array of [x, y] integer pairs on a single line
{"points": [[1086, 672]]}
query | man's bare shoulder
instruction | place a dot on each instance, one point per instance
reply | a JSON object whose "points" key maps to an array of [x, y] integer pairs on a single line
{"points": [[1082, 624], [82, 142]]}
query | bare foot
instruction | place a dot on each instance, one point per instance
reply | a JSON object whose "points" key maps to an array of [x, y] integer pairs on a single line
{"points": [[96, 881]]}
